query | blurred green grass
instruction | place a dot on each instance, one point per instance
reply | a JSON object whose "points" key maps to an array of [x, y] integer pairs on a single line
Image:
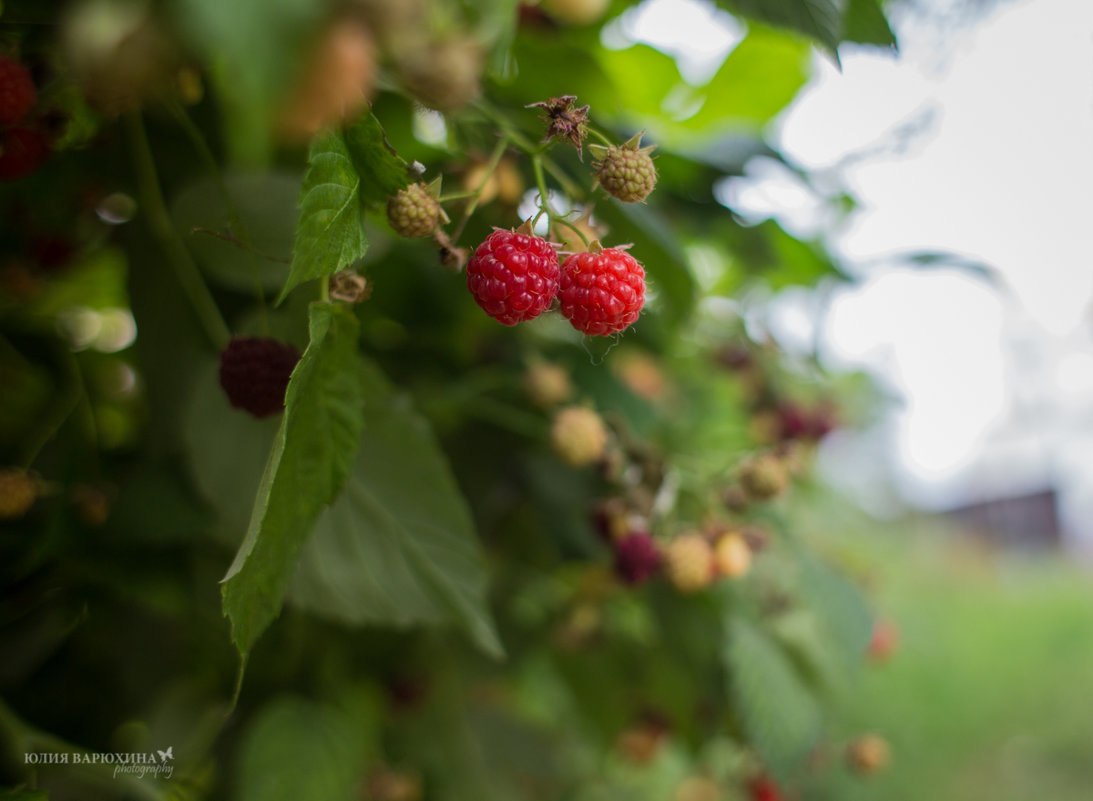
{"points": [[988, 695]]}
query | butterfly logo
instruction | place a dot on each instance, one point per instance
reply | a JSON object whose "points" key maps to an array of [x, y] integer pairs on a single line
{"points": [[165, 755]]}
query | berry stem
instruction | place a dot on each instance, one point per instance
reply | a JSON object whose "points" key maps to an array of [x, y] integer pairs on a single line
{"points": [[574, 229], [540, 183], [159, 223], [563, 180], [476, 195], [522, 142], [601, 137]]}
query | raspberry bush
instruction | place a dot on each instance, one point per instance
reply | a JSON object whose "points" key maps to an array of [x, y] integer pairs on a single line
{"points": [[282, 501]]}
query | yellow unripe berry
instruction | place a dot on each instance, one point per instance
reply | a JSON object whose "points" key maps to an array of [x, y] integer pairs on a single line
{"points": [[689, 562], [579, 435], [732, 555]]}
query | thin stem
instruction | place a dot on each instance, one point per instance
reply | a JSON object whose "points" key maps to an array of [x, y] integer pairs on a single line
{"points": [[573, 228], [522, 142], [476, 195], [601, 137], [159, 223], [324, 289], [563, 180], [507, 128], [230, 238], [540, 183]]}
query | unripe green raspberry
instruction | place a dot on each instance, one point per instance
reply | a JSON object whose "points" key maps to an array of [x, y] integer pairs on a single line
{"points": [[579, 435], [763, 476], [414, 212], [626, 171]]}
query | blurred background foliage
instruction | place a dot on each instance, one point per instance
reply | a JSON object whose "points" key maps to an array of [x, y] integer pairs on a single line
{"points": [[164, 215]]}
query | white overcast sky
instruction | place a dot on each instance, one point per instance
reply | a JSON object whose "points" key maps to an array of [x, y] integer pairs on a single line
{"points": [[995, 382]]}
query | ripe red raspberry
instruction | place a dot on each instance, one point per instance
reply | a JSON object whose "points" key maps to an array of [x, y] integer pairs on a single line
{"points": [[637, 557], [513, 275], [254, 373], [626, 171], [414, 211], [602, 291], [764, 788], [22, 151], [17, 95], [884, 642]]}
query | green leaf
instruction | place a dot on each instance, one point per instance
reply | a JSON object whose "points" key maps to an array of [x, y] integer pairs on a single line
{"points": [[309, 462], [780, 259], [266, 204], [644, 98], [330, 233], [820, 20], [381, 171], [864, 22], [757, 80], [299, 750], [779, 716], [398, 548], [845, 623], [227, 450]]}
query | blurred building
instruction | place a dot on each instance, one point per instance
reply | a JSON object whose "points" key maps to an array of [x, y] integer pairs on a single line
{"points": [[1021, 522]]}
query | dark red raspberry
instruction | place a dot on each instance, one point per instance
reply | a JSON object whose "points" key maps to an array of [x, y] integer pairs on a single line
{"points": [[793, 421], [22, 151], [602, 291], [254, 373], [637, 557], [513, 275], [17, 95]]}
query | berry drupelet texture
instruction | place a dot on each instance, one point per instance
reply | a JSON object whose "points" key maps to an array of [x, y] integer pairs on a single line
{"points": [[513, 276], [626, 172], [254, 372], [602, 292], [413, 212]]}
